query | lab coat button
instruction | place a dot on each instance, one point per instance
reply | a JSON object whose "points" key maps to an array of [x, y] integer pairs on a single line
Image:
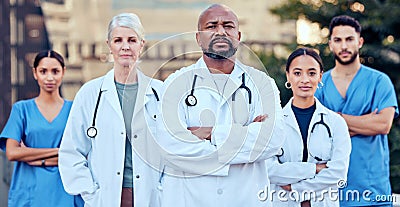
{"points": [[135, 136], [220, 191], [154, 116], [137, 176], [122, 133], [118, 173]]}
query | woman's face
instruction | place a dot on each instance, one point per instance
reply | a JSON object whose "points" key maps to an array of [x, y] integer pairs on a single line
{"points": [[304, 75], [125, 46], [49, 74]]}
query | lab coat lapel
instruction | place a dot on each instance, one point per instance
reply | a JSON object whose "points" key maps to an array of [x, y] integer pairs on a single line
{"points": [[205, 80], [234, 81], [290, 118], [110, 93], [295, 140], [144, 91]]}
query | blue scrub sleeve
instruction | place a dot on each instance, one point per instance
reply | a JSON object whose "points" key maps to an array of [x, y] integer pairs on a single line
{"points": [[319, 92], [14, 128], [385, 95]]}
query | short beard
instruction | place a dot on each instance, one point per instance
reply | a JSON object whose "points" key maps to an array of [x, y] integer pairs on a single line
{"points": [[215, 56], [222, 55], [353, 57]]}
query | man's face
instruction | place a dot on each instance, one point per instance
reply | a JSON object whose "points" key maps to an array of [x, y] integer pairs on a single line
{"points": [[218, 34], [345, 43]]}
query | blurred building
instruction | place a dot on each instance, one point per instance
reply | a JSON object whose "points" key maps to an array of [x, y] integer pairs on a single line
{"points": [[78, 30]]}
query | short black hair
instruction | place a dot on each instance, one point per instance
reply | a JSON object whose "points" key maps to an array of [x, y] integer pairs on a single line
{"points": [[304, 51], [50, 54], [344, 20]]}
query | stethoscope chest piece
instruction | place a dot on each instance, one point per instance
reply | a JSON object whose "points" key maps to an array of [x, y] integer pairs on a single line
{"points": [[91, 132], [191, 100]]}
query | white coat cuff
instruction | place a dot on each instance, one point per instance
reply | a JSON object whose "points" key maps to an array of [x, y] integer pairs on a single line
{"points": [[86, 196], [219, 135]]}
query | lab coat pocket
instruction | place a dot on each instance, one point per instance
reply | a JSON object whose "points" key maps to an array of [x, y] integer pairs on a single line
{"points": [[151, 120], [240, 109], [283, 156], [204, 113], [320, 146]]}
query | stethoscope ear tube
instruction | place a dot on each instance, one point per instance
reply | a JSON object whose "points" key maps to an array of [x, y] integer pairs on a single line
{"points": [[191, 100], [243, 85], [323, 123]]}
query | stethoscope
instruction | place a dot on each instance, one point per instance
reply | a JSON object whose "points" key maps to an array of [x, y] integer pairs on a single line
{"points": [[191, 100], [312, 131], [92, 130]]}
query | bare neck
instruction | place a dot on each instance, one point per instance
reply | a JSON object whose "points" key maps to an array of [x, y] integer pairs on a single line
{"points": [[125, 75], [220, 66], [346, 71], [49, 98], [303, 103]]}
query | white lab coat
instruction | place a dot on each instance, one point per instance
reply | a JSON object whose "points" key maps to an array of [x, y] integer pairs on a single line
{"points": [[93, 167], [301, 175], [230, 169]]}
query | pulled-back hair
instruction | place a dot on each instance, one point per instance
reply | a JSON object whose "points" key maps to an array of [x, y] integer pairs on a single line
{"points": [[304, 51], [49, 54]]}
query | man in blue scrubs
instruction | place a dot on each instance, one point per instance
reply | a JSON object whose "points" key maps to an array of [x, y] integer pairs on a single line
{"points": [[366, 99]]}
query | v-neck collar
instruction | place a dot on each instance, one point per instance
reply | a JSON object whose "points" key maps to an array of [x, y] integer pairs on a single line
{"points": [[330, 78], [43, 117]]}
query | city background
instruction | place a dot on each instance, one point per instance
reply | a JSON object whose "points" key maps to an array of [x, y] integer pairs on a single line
{"points": [[270, 29]]}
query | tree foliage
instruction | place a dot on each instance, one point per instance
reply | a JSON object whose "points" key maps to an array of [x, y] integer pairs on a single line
{"points": [[380, 20]]}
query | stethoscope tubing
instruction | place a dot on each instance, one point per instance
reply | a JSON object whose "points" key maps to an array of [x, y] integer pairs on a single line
{"points": [[92, 130], [191, 99], [308, 140]]}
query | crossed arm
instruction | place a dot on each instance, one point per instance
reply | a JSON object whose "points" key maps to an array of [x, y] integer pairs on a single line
{"points": [[16, 151], [318, 169], [205, 132], [370, 124]]}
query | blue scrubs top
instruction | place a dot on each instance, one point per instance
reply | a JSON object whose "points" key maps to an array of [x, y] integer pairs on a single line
{"points": [[36, 186], [369, 159]]}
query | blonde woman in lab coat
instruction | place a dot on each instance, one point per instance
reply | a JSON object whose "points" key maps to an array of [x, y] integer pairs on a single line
{"points": [[313, 161]]}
